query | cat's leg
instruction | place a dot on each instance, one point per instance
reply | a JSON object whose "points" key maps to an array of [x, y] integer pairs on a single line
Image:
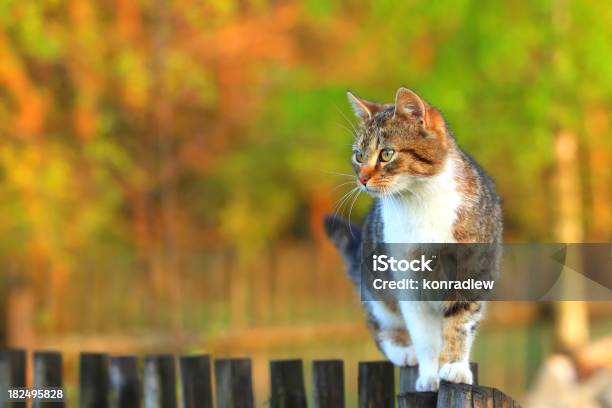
{"points": [[460, 322], [425, 327], [395, 344], [389, 331]]}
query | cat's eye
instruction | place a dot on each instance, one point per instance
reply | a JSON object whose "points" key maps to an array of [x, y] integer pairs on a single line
{"points": [[359, 157], [386, 154]]}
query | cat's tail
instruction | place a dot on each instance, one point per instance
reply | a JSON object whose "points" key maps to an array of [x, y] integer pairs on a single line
{"points": [[347, 238]]}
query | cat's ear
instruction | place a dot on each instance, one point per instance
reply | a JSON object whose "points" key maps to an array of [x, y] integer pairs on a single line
{"points": [[407, 103], [410, 105], [364, 110]]}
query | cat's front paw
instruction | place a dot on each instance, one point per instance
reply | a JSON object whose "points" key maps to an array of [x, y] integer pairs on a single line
{"points": [[427, 382], [458, 372], [401, 356]]}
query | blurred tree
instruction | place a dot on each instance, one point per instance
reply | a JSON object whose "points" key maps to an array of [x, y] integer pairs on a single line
{"points": [[143, 131]]}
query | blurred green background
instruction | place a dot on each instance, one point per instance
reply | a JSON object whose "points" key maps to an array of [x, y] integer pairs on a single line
{"points": [[165, 165]]}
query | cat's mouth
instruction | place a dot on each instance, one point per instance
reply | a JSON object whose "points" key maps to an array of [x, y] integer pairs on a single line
{"points": [[378, 191], [395, 188]]}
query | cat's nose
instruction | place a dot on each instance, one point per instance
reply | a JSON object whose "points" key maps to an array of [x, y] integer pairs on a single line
{"points": [[363, 178]]}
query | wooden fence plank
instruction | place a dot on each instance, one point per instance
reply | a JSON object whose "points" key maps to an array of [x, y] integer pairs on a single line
{"points": [[408, 377], [12, 374], [474, 369], [482, 397], [12, 366], [234, 385], [94, 380], [159, 382], [287, 384], [196, 381], [115, 382], [501, 400], [48, 373], [417, 400], [125, 382], [328, 383], [376, 384], [454, 395]]}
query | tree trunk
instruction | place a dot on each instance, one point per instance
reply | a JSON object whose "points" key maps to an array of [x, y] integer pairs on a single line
{"points": [[571, 329]]}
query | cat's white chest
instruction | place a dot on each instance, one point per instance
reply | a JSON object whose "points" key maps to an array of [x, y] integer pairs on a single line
{"points": [[427, 216]]}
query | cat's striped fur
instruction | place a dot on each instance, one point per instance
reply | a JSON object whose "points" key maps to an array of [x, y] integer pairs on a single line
{"points": [[429, 191]]}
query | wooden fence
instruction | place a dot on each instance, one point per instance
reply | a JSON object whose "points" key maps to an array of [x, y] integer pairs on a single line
{"points": [[114, 381]]}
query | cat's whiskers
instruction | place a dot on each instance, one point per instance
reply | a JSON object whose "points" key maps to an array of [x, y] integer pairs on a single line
{"points": [[354, 194], [394, 200], [391, 198], [351, 210], [343, 184], [341, 200], [384, 199], [338, 174], [348, 121], [347, 129], [344, 199]]}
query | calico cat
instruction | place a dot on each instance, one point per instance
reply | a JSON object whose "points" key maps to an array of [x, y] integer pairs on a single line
{"points": [[426, 190]]}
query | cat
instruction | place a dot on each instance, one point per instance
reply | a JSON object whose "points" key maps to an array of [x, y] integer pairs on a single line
{"points": [[426, 190]]}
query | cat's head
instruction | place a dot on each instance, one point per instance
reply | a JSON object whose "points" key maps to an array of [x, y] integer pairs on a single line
{"points": [[399, 145]]}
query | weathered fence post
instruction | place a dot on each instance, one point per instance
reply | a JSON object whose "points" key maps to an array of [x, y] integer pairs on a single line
{"points": [[196, 382], [114, 382], [287, 384], [12, 373], [159, 382], [328, 383], [482, 397], [376, 385], [501, 400], [94, 380], [47, 374], [234, 384], [417, 400], [474, 369], [408, 377], [124, 382], [454, 395]]}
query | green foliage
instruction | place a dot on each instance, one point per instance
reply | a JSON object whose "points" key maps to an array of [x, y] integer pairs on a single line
{"points": [[253, 103]]}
